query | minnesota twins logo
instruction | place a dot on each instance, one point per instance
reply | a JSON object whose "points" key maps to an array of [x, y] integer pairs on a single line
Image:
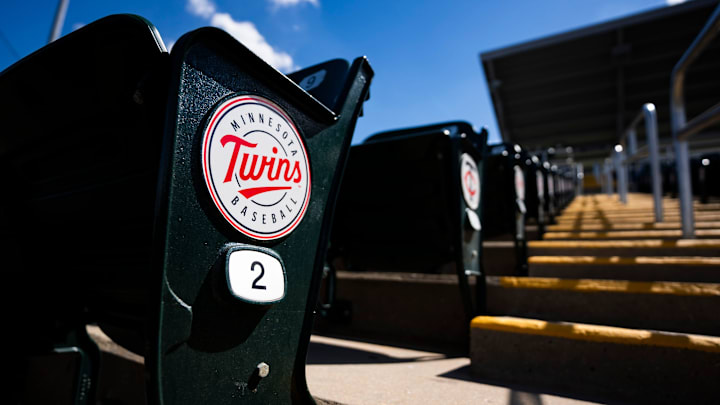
{"points": [[519, 182], [255, 167], [470, 180]]}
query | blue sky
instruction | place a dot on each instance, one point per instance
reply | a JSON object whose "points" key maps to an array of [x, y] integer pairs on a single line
{"points": [[425, 53]]}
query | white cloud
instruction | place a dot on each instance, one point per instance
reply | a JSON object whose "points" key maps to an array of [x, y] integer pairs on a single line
{"points": [[201, 8], [290, 3], [674, 2], [77, 26], [243, 31]]}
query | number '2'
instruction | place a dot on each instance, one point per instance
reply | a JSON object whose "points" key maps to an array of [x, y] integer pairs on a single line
{"points": [[262, 273]]}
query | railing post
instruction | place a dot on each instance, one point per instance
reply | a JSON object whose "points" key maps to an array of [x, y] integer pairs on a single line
{"points": [[579, 177], [651, 132], [684, 184], [631, 151], [678, 120], [631, 142], [608, 178], [682, 158], [598, 176], [621, 170]]}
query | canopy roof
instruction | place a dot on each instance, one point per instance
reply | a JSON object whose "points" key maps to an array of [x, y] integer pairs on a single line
{"points": [[582, 88]]}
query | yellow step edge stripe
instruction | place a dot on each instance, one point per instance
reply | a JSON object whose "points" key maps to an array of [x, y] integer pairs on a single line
{"points": [[643, 234], [615, 222], [669, 221], [637, 202], [636, 218], [698, 214], [597, 333], [630, 261], [620, 286], [633, 206], [630, 226], [638, 206], [615, 234], [618, 209], [612, 208], [640, 244], [569, 218]]}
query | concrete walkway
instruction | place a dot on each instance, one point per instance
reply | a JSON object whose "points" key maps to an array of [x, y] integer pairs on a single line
{"points": [[356, 373]]}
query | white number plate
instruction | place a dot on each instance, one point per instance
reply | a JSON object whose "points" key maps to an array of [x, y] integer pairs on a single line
{"points": [[255, 276]]}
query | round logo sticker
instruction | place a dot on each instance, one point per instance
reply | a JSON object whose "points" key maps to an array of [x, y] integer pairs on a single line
{"points": [[255, 167], [540, 181], [519, 183], [470, 180]]}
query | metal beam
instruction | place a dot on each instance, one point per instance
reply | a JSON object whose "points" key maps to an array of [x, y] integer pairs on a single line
{"points": [[657, 14], [678, 119], [59, 20], [493, 84]]}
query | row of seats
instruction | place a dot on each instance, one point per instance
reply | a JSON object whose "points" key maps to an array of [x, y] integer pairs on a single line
{"points": [[425, 206], [175, 209]]}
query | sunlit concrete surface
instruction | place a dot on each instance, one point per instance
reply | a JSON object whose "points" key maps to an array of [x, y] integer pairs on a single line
{"points": [[356, 373]]}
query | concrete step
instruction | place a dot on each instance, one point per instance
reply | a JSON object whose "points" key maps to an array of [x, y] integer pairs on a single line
{"points": [[499, 257], [649, 217], [626, 248], [648, 206], [629, 234], [532, 231], [401, 308], [635, 200], [615, 364], [619, 214], [670, 306], [639, 268], [635, 209], [628, 226]]}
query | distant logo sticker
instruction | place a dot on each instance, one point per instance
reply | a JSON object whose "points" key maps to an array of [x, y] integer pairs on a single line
{"points": [[519, 183], [470, 180], [256, 167], [313, 80], [540, 183]]}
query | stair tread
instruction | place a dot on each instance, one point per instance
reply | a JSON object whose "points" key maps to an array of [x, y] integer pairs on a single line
{"points": [[640, 243], [598, 333], [621, 261], [630, 226], [640, 234], [598, 285]]}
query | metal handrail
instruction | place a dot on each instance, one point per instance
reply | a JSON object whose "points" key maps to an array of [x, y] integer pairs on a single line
{"points": [[607, 169], [618, 161], [642, 153], [649, 115], [681, 129]]}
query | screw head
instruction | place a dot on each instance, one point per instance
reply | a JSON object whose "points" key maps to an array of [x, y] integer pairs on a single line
{"points": [[263, 369]]}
